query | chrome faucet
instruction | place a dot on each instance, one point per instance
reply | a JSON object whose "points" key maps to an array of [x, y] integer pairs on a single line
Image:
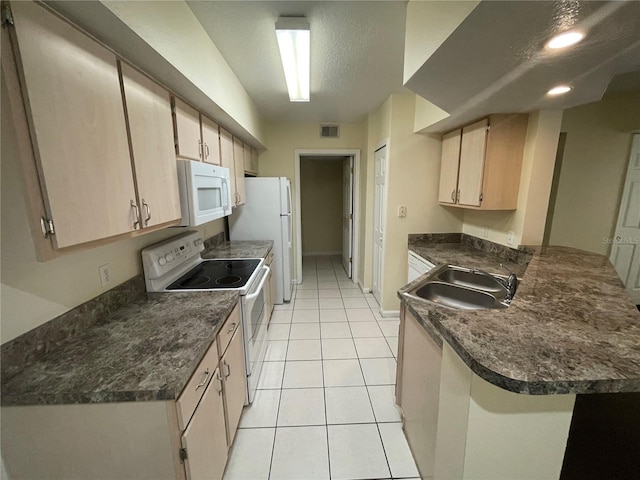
{"points": [[510, 284]]}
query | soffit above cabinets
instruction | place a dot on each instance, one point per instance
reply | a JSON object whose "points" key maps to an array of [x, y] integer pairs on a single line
{"points": [[495, 60]]}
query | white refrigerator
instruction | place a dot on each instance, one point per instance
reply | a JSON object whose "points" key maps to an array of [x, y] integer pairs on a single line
{"points": [[266, 215]]}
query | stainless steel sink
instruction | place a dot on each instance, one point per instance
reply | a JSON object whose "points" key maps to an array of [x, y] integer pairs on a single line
{"points": [[471, 278], [465, 289], [457, 296]]}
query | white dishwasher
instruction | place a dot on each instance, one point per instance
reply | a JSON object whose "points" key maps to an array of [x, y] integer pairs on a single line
{"points": [[417, 266]]}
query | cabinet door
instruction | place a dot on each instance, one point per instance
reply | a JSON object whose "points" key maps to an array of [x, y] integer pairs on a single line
{"points": [[77, 124], [205, 439], [254, 161], [238, 160], [149, 113], [249, 166], [211, 141], [419, 385], [187, 130], [226, 159], [235, 382], [472, 155], [449, 167]]}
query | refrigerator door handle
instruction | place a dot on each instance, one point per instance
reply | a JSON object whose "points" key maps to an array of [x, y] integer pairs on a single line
{"points": [[289, 199]]}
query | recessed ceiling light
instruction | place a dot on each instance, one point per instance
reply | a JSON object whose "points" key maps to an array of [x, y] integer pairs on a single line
{"points": [[559, 90], [564, 40]]}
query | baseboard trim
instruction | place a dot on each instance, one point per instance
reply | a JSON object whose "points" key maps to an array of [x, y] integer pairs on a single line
{"points": [[362, 289], [389, 313]]}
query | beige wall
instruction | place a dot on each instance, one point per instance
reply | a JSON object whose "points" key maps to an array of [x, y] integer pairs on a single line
{"points": [[413, 176], [33, 292], [528, 220], [173, 31], [283, 138], [321, 205], [593, 171]]}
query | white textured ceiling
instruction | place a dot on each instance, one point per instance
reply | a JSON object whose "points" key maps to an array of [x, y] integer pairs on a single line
{"points": [[357, 52]]}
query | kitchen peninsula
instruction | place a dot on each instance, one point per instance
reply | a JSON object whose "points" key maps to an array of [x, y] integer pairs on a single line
{"points": [[501, 385]]}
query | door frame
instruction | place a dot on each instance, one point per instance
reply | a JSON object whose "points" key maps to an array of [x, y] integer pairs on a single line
{"points": [[328, 152], [382, 144]]}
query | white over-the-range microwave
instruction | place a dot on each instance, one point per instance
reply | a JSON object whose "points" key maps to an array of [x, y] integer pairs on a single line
{"points": [[204, 192]]}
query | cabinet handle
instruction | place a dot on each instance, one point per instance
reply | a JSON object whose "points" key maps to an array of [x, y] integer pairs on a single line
{"points": [[200, 149], [206, 147], [203, 381], [219, 382], [136, 224], [232, 327], [458, 196], [227, 367], [148, 208], [453, 195]]}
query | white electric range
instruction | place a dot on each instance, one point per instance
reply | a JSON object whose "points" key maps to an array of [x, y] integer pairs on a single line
{"points": [[175, 265]]}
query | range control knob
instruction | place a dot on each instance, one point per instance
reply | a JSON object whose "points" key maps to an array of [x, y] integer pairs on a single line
{"points": [[162, 261], [197, 242], [168, 257]]}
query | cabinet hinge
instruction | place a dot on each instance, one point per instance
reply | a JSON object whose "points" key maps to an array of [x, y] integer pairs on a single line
{"points": [[351, 216], [46, 225], [350, 259], [7, 16], [183, 454], [481, 197]]}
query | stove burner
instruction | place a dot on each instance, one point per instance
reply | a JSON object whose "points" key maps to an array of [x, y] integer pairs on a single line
{"points": [[238, 264], [228, 280], [195, 281]]}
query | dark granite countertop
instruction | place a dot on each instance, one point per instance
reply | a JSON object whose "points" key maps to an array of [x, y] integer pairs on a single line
{"points": [[571, 327], [145, 350], [239, 249]]}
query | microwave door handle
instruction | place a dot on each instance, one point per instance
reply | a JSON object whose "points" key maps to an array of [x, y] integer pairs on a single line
{"points": [[256, 291], [225, 193]]}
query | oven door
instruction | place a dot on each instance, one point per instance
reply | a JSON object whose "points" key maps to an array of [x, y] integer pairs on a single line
{"points": [[254, 320]]}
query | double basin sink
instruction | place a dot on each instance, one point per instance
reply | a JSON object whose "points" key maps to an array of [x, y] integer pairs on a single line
{"points": [[466, 289]]}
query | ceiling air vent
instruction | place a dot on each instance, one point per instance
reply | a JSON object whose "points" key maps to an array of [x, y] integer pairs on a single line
{"points": [[329, 131]]}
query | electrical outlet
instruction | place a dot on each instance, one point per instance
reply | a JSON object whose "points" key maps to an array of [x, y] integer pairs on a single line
{"points": [[510, 237], [402, 211], [485, 232], [105, 274]]}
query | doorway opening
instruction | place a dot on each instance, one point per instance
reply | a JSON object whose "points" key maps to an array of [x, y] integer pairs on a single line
{"points": [[327, 208]]}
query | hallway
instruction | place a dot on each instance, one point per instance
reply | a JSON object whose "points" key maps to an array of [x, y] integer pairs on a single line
{"points": [[325, 405]]}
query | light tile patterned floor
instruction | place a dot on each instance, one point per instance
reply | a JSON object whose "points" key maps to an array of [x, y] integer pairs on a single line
{"points": [[325, 403]]}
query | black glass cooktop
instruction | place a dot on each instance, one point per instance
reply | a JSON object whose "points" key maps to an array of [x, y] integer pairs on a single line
{"points": [[213, 274]]}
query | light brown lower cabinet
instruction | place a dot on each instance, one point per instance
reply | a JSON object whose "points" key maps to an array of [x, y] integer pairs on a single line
{"points": [[187, 438], [418, 390]]}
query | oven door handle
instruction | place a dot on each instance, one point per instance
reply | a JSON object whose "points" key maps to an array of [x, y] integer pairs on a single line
{"points": [[256, 291]]}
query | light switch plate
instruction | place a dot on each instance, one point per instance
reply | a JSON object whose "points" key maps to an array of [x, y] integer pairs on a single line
{"points": [[402, 211], [485, 232], [510, 237]]}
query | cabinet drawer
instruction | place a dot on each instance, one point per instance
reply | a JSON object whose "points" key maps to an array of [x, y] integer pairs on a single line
{"points": [[230, 325], [197, 384]]}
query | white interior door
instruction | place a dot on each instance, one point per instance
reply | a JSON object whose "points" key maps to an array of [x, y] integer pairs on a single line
{"points": [[625, 253], [347, 215], [379, 221]]}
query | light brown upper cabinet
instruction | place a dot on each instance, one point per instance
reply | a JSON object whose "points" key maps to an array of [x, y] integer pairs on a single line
{"points": [[250, 161], [149, 117], [84, 184], [238, 161], [482, 162], [77, 128], [232, 157], [210, 141], [187, 131], [196, 136]]}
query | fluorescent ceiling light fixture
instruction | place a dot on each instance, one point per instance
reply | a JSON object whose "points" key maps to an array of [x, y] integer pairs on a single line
{"points": [[559, 90], [565, 39], [294, 41]]}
